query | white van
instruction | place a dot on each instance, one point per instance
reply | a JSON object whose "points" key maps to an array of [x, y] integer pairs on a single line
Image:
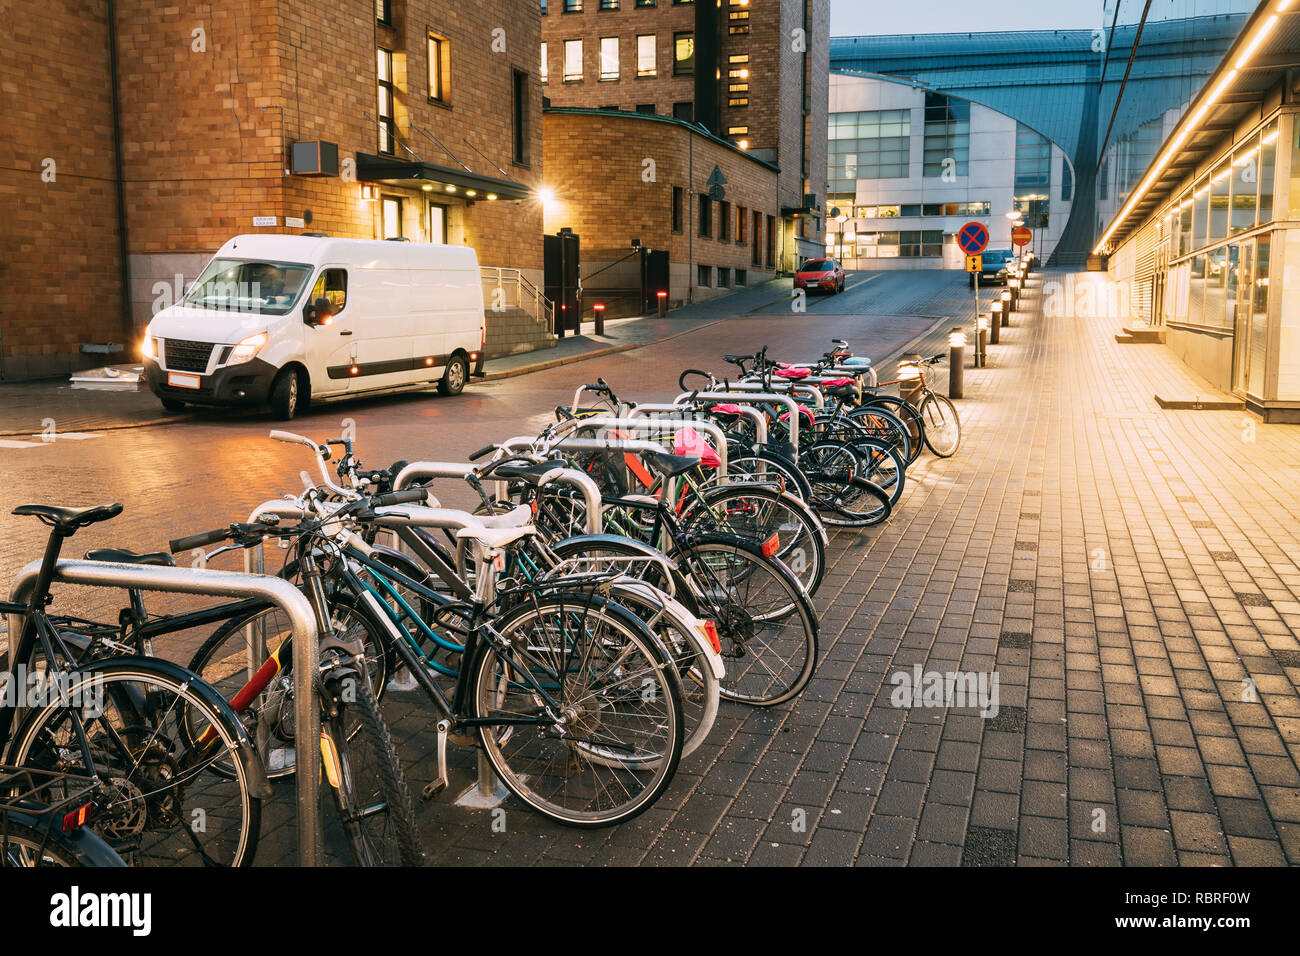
{"points": [[286, 320]]}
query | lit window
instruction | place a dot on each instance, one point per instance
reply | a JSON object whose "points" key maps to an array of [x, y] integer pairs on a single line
{"points": [[387, 128], [572, 60], [439, 67], [609, 58], [683, 54], [645, 55], [546, 71]]}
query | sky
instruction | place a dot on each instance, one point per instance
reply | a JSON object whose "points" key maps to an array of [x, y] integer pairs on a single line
{"points": [[868, 17], [878, 17]]}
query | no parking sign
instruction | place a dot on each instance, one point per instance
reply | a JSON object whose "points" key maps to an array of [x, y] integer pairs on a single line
{"points": [[973, 238]]}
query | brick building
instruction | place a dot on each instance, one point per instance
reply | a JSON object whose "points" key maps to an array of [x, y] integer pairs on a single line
{"points": [[655, 174], [180, 124], [751, 72]]}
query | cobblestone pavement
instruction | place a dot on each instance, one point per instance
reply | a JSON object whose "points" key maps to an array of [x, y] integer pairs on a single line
{"points": [[1130, 575]]}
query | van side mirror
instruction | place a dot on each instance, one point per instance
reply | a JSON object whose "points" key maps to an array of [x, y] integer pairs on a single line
{"points": [[318, 312]]}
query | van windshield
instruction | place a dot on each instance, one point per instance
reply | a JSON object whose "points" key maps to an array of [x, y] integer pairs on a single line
{"points": [[244, 285]]}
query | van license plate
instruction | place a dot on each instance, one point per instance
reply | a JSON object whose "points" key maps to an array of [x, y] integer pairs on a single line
{"points": [[177, 380]]}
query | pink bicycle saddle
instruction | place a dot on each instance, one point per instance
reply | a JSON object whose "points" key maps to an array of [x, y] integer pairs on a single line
{"points": [[690, 443]]}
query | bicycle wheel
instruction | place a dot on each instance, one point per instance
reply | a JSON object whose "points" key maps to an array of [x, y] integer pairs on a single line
{"points": [[618, 741], [883, 466], [757, 513], [365, 777], [21, 845], [700, 687], [942, 425], [222, 661], [165, 805], [882, 424], [904, 411], [767, 467], [842, 496], [765, 622]]}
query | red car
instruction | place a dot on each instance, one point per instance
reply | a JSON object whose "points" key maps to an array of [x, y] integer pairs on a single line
{"points": [[822, 275]]}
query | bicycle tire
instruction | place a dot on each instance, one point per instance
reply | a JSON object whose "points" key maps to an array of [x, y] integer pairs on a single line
{"points": [[700, 688], [883, 466], [140, 806], [370, 777], [742, 616], [835, 470], [904, 411], [29, 844], [881, 423], [533, 779], [801, 538], [936, 409]]}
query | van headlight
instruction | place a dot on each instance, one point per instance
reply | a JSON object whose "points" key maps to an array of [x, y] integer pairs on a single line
{"points": [[246, 349], [149, 346]]}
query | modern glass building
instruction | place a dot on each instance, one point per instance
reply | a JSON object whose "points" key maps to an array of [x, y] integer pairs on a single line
{"points": [[909, 166], [1207, 236], [1086, 108]]}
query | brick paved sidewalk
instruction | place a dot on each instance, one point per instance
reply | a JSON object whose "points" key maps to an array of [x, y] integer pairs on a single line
{"points": [[1127, 572]]}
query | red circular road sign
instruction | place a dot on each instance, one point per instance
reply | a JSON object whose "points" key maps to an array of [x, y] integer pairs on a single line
{"points": [[1021, 235], [973, 238]]}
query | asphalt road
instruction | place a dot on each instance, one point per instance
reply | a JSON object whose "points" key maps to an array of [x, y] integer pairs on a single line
{"points": [[181, 478]]}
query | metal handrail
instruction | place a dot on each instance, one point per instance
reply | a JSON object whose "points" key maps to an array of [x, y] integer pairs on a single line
{"points": [[235, 584], [528, 297]]}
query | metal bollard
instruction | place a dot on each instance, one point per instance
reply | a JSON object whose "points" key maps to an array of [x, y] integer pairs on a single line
{"points": [[981, 344], [663, 303], [599, 311], [995, 322], [956, 362], [1007, 307]]}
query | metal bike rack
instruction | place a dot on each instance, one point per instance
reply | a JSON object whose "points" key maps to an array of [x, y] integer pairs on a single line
{"points": [[659, 425], [423, 470], [750, 397], [746, 411], [811, 393], [222, 584]]}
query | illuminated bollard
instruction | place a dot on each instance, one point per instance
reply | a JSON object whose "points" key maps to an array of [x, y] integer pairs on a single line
{"points": [[663, 303], [956, 362], [995, 321], [982, 342], [599, 311]]}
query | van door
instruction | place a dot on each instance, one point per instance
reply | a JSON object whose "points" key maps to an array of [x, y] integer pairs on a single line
{"points": [[382, 323], [331, 349]]}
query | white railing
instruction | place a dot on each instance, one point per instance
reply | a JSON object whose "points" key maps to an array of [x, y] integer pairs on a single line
{"points": [[506, 288]]}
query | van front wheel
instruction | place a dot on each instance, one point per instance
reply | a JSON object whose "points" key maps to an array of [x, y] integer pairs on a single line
{"points": [[454, 376], [286, 393]]}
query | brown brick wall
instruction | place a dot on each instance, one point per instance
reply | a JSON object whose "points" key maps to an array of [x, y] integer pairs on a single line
{"points": [[205, 133], [626, 23], [59, 262], [609, 150]]}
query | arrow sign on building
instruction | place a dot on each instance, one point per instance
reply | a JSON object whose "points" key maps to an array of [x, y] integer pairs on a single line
{"points": [[716, 183]]}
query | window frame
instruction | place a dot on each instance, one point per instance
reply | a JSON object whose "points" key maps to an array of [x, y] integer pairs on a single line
{"points": [[601, 75], [386, 121], [434, 39], [520, 118], [678, 69], [654, 55], [578, 77]]}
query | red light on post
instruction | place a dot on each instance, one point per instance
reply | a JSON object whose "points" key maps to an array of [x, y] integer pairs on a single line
{"points": [[599, 310], [662, 296]]}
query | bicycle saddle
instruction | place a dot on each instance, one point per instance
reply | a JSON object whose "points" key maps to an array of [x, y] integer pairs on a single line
{"points": [[528, 471], [792, 372], [669, 465], [736, 358], [122, 556], [496, 538], [69, 519]]}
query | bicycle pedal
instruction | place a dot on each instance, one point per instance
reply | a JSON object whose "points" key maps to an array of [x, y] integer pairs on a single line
{"points": [[439, 783]]}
